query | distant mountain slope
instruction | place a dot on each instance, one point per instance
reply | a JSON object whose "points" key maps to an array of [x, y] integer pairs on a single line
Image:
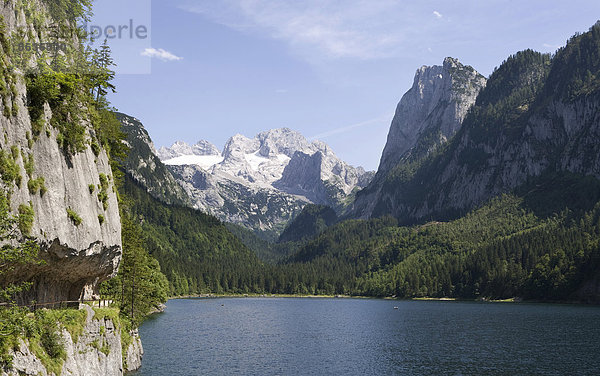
{"points": [[196, 251], [145, 167], [501, 250], [263, 182]]}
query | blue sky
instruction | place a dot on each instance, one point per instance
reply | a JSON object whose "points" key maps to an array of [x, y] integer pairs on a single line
{"points": [[330, 69]]}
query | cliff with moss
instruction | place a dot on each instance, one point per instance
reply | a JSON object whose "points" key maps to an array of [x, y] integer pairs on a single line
{"points": [[54, 161], [58, 146], [89, 341]]}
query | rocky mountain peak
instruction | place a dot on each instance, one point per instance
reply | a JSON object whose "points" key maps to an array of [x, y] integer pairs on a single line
{"points": [[281, 141], [435, 106], [279, 168], [239, 145], [181, 148], [428, 115]]}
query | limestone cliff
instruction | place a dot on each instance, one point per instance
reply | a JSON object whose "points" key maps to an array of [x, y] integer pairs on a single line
{"points": [[95, 351], [533, 128], [432, 111], [56, 169], [72, 195], [428, 115]]}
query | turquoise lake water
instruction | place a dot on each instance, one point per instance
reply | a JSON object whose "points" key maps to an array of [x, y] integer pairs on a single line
{"points": [[302, 336]]}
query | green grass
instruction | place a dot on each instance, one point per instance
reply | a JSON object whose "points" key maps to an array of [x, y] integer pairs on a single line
{"points": [[42, 332], [71, 319], [104, 348], [35, 185], [107, 314]]}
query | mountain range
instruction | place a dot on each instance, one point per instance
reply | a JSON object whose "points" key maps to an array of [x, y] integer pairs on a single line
{"points": [[485, 187], [265, 181]]}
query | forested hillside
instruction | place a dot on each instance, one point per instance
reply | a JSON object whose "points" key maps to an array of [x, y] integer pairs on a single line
{"points": [[532, 232], [536, 116]]}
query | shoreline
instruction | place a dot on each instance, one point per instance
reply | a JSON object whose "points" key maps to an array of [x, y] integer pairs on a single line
{"points": [[514, 300]]}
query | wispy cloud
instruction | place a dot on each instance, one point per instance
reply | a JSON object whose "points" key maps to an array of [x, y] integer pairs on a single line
{"points": [[160, 54], [552, 46], [437, 14], [320, 29], [378, 120]]}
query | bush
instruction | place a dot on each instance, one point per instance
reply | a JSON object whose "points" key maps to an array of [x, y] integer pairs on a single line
{"points": [[74, 217], [35, 185], [26, 218], [9, 169]]}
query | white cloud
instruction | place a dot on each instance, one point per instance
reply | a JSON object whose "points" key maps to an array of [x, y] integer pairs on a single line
{"points": [[321, 29], [553, 46], [437, 14], [378, 120], [160, 54]]}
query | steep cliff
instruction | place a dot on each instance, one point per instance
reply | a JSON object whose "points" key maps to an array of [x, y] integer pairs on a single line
{"points": [[91, 347], [57, 152], [534, 127], [70, 193], [431, 111], [428, 115]]}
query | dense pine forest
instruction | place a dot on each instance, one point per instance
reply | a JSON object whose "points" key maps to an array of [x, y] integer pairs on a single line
{"points": [[501, 250]]}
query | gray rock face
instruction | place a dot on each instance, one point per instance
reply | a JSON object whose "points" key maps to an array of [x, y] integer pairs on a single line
{"points": [[234, 200], [428, 115], [180, 148], [321, 178], [528, 127], [77, 257], [132, 359], [559, 137], [437, 104], [96, 352], [262, 182]]}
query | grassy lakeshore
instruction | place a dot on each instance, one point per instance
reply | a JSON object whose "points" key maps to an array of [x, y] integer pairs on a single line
{"points": [[197, 296], [232, 295], [515, 300]]}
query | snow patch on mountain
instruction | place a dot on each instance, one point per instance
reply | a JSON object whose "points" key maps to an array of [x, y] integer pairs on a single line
{"points": [[204, 161]]}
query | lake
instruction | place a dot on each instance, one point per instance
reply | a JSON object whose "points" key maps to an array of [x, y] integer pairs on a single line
{"points": [[312, 336]]}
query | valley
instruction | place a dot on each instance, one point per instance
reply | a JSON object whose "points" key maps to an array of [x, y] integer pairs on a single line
{"points": [[487, 191]]}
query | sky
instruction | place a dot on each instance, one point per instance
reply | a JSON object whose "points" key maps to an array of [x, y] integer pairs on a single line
{"points": [[333, 70]]}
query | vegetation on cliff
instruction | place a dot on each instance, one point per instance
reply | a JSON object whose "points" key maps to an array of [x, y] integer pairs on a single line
{"points": [[65, 95]]}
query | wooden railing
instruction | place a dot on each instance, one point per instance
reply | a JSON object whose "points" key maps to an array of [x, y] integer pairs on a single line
{"points": [[63, 304]]}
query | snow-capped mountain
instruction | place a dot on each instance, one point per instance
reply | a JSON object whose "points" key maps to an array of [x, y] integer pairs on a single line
{"points": [[262, 182]]}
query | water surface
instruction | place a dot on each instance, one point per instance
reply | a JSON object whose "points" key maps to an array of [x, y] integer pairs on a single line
{"points": [[296, 336]]}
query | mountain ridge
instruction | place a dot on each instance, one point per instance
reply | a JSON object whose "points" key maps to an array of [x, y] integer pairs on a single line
{"points": [[428, 115], [279, 170]]}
